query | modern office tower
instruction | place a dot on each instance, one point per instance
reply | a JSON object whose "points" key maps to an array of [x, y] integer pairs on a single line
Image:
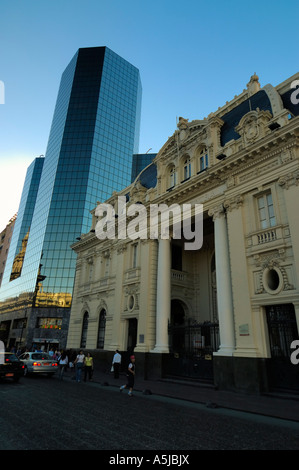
{"points": [[94, 134]]}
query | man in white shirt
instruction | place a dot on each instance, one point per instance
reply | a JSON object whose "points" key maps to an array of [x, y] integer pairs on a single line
{"points": [[116, 362]]}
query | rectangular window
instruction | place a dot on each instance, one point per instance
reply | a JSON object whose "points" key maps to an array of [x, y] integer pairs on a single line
{"points": [[266, 211]]}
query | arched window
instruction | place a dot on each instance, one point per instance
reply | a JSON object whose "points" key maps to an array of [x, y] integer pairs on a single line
{"points": [[203, 159], [84, 330], [187, 169], [101, 331], [172, 177]]}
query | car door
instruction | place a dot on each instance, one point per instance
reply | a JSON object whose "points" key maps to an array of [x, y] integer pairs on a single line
{"points": [[25, 358]]}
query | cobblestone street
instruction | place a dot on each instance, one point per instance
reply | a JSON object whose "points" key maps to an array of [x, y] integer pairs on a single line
{"points": [[46, 414]]}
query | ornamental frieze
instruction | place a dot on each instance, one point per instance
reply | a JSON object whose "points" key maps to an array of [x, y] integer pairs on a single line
{"points": [[292, 179]]}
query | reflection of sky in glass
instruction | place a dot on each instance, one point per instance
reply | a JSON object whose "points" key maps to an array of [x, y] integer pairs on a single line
{"points": [[89, 155], [24, 219]]}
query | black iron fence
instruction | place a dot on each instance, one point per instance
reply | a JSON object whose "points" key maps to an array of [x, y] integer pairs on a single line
{"points": [[194, 338], [282, 329], [191, 347]]}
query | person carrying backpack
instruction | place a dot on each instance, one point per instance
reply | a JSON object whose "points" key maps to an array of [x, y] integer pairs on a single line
{"points": [[130, 377]]}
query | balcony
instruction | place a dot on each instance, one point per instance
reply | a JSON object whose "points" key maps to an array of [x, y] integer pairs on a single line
{"points": [[181, 278], [267, 236], [271, 238], [132, 274]]}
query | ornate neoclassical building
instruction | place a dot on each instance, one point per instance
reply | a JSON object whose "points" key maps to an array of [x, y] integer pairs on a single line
{"points": [[228, 311]]}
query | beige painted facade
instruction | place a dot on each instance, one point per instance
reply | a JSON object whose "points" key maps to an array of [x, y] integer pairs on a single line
{"points": [[249, 259]]}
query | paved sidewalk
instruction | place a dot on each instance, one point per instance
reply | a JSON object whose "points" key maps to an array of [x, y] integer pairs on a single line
{"points": [[284, 406]]}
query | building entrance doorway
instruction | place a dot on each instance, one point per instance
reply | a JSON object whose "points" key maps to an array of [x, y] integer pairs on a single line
{"points": [[191, 345], [283, 330], [132, 334]]}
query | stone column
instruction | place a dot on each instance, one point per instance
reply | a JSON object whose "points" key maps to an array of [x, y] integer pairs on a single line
{"points": [[223, 280], [163, 296]]}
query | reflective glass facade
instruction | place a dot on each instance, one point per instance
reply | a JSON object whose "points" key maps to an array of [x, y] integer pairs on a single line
{"points": [[141, 161], [24, 219], [94, 133]]}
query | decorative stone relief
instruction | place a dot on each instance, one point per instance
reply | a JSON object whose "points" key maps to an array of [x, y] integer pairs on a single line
{"points": [[233, 203], [286, 156], [217, 211], [102, 305], [289, 180], [137, 193], [131, 301], [183, 128], [272, 277], [122, 248], [253, 126]]}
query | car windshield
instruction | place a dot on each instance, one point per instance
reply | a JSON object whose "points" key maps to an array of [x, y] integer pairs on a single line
{"points": [[40, 356]]}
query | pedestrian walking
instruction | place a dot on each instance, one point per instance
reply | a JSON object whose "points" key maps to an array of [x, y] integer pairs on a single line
{"points": [[63, 362], [79, 363], [88, 368], [116, 362], [130, 377]]}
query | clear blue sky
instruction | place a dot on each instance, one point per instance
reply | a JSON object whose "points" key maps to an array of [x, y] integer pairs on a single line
{"points": [[193, 56]]}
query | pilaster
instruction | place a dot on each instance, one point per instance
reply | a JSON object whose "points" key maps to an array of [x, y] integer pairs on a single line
{"points": [[290, 184], [245, 344]]}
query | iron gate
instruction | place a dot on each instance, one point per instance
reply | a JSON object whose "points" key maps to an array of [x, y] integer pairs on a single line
{"points": [[191, 348], [282, 328]]}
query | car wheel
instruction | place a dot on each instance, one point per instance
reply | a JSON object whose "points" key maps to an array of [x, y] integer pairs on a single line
{"points": [[16, 378]]}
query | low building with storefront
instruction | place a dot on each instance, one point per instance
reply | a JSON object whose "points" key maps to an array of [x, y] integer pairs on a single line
{"points": [[228, 311]]}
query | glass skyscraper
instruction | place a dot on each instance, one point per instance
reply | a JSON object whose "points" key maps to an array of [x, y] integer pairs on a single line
{"points": [[94, 134]]}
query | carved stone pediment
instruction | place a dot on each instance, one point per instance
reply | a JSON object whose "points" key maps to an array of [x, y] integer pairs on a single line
{"points": [[253, 126], [137, 193], [183, 129]]}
